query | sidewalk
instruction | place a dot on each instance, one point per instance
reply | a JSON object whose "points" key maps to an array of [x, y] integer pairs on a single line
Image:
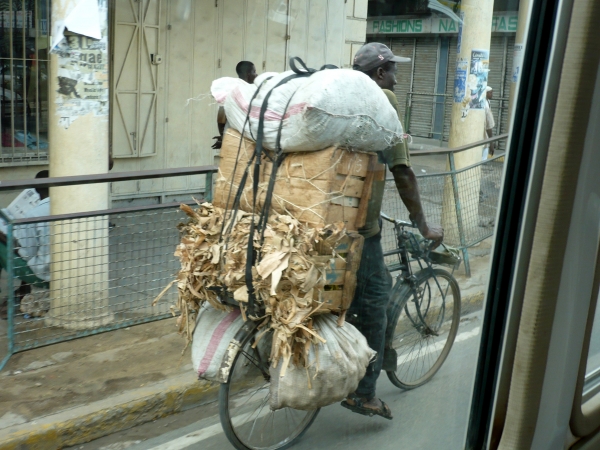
{"points": [[80, 390], [73, 392]]}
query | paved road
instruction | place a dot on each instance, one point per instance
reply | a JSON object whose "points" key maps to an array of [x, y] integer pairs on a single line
{"points": [[432, 416]]}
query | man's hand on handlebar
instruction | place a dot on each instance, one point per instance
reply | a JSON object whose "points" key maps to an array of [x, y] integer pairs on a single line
{"points": [[434, 233]]}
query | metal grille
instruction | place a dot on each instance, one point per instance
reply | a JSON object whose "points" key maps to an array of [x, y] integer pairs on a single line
{"points": [[24, 63], [107, 270], [501, 51], [472, 221]]}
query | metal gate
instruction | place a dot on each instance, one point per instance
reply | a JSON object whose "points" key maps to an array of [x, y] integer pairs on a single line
{"points": [[135, 78]]}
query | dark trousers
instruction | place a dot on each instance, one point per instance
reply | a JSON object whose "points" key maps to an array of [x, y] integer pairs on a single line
{"points": [[368, 309], [20, 269]]}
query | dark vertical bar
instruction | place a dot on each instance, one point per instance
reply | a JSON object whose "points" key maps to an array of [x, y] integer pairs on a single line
{"points": [[208, 189], [440, 90], [24, 61], [459, 222]]}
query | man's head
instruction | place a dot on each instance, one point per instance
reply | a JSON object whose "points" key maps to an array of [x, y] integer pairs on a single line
{"points": [[43, 192], [489, 92], [378, 62], [246, 71]]}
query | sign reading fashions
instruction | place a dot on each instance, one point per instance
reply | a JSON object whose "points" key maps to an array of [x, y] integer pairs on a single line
{"points": [[501, 23]]}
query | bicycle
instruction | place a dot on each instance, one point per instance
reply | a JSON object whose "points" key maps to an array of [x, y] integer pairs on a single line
{"points": [[417, 344]]}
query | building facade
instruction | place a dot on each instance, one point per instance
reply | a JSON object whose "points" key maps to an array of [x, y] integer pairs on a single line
{"points": [[163, 57], [425, 85]]}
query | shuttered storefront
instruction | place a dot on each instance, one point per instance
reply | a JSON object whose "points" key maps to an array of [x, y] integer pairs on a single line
{"points": [[404, 71], [419, 76], [449, 101], [501, 59]]}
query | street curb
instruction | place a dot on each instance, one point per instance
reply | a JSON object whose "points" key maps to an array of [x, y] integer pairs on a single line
{"points": [[86, 423]]}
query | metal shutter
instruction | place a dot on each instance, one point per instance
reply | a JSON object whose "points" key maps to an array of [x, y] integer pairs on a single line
{"points": [[510, 45], [403, 47], [450, 87], [426, 58], [501, 53]]}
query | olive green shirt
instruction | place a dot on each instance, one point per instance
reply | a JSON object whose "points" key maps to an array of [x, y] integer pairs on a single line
{"points": [[392, 156]]}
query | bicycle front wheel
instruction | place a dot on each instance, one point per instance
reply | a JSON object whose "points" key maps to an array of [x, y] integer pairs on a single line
{"points": [[246, 417], [423, 336]]}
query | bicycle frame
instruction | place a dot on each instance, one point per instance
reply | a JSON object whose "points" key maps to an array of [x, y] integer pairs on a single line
{"points": [[405, 287]]}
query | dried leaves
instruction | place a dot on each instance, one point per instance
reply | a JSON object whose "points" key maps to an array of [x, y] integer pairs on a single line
{"points": [[285, 279]]}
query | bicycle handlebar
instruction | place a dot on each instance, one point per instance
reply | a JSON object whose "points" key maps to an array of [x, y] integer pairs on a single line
{"points": [[403, 223]]}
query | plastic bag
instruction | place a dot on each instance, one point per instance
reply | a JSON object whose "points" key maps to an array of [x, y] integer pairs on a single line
{"points": [[334, 369]]}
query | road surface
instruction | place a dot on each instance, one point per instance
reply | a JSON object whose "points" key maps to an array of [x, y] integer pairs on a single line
{"points": [[432, 416]]}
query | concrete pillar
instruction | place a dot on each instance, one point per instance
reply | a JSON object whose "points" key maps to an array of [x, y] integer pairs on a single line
{"points": [[78, 127], [468, 117], [519, 51]]}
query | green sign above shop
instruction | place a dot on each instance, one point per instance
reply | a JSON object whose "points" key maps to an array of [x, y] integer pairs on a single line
{"points": [[501, 23]]}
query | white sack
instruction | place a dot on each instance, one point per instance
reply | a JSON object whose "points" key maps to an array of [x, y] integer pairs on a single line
{"points": [[335, 369], [331, 107], [214, 331], [222, 87]]}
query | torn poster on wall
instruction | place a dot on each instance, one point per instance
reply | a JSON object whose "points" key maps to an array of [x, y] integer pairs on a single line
{"points": [[83, 69], [478, 76], [460, 80], [82, 17]]}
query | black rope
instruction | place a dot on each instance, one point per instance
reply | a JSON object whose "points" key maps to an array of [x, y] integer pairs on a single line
{"points": [[235, 205], [251, 254]]}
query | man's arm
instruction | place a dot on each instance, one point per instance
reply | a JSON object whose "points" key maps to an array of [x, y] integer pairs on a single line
{"points": [[406, 183], [221, 121]]}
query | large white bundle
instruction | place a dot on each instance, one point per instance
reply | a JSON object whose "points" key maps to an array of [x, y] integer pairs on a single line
{"points": [[331, 107], [334, 369]]}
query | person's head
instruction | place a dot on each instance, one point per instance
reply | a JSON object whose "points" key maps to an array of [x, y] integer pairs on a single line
{"points": [[489, 92], [378, 62], [43, 192], [246, 71]]}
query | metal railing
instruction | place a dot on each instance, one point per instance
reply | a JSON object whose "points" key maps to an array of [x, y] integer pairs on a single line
{"points": [[107, 266], [464, 201]]}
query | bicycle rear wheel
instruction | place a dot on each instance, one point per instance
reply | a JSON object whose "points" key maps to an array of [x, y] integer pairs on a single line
{"points": [[422, 337], [246, 417]]}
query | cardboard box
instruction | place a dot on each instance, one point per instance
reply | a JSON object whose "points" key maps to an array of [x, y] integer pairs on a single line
{"points": [[317, 188]]}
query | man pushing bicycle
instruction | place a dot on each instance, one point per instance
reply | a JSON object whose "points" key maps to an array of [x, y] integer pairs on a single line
{"points": [[374, 282]]}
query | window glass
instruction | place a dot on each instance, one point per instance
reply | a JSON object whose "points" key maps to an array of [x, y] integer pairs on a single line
{"points": [[592, 370], [24, 80]]}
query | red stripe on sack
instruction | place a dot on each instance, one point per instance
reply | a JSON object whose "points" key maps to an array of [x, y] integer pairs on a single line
{"points": [[215, 340], [269, 113]]}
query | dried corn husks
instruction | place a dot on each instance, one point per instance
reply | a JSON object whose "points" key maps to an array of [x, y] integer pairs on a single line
{"points": [[286, 278]]}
